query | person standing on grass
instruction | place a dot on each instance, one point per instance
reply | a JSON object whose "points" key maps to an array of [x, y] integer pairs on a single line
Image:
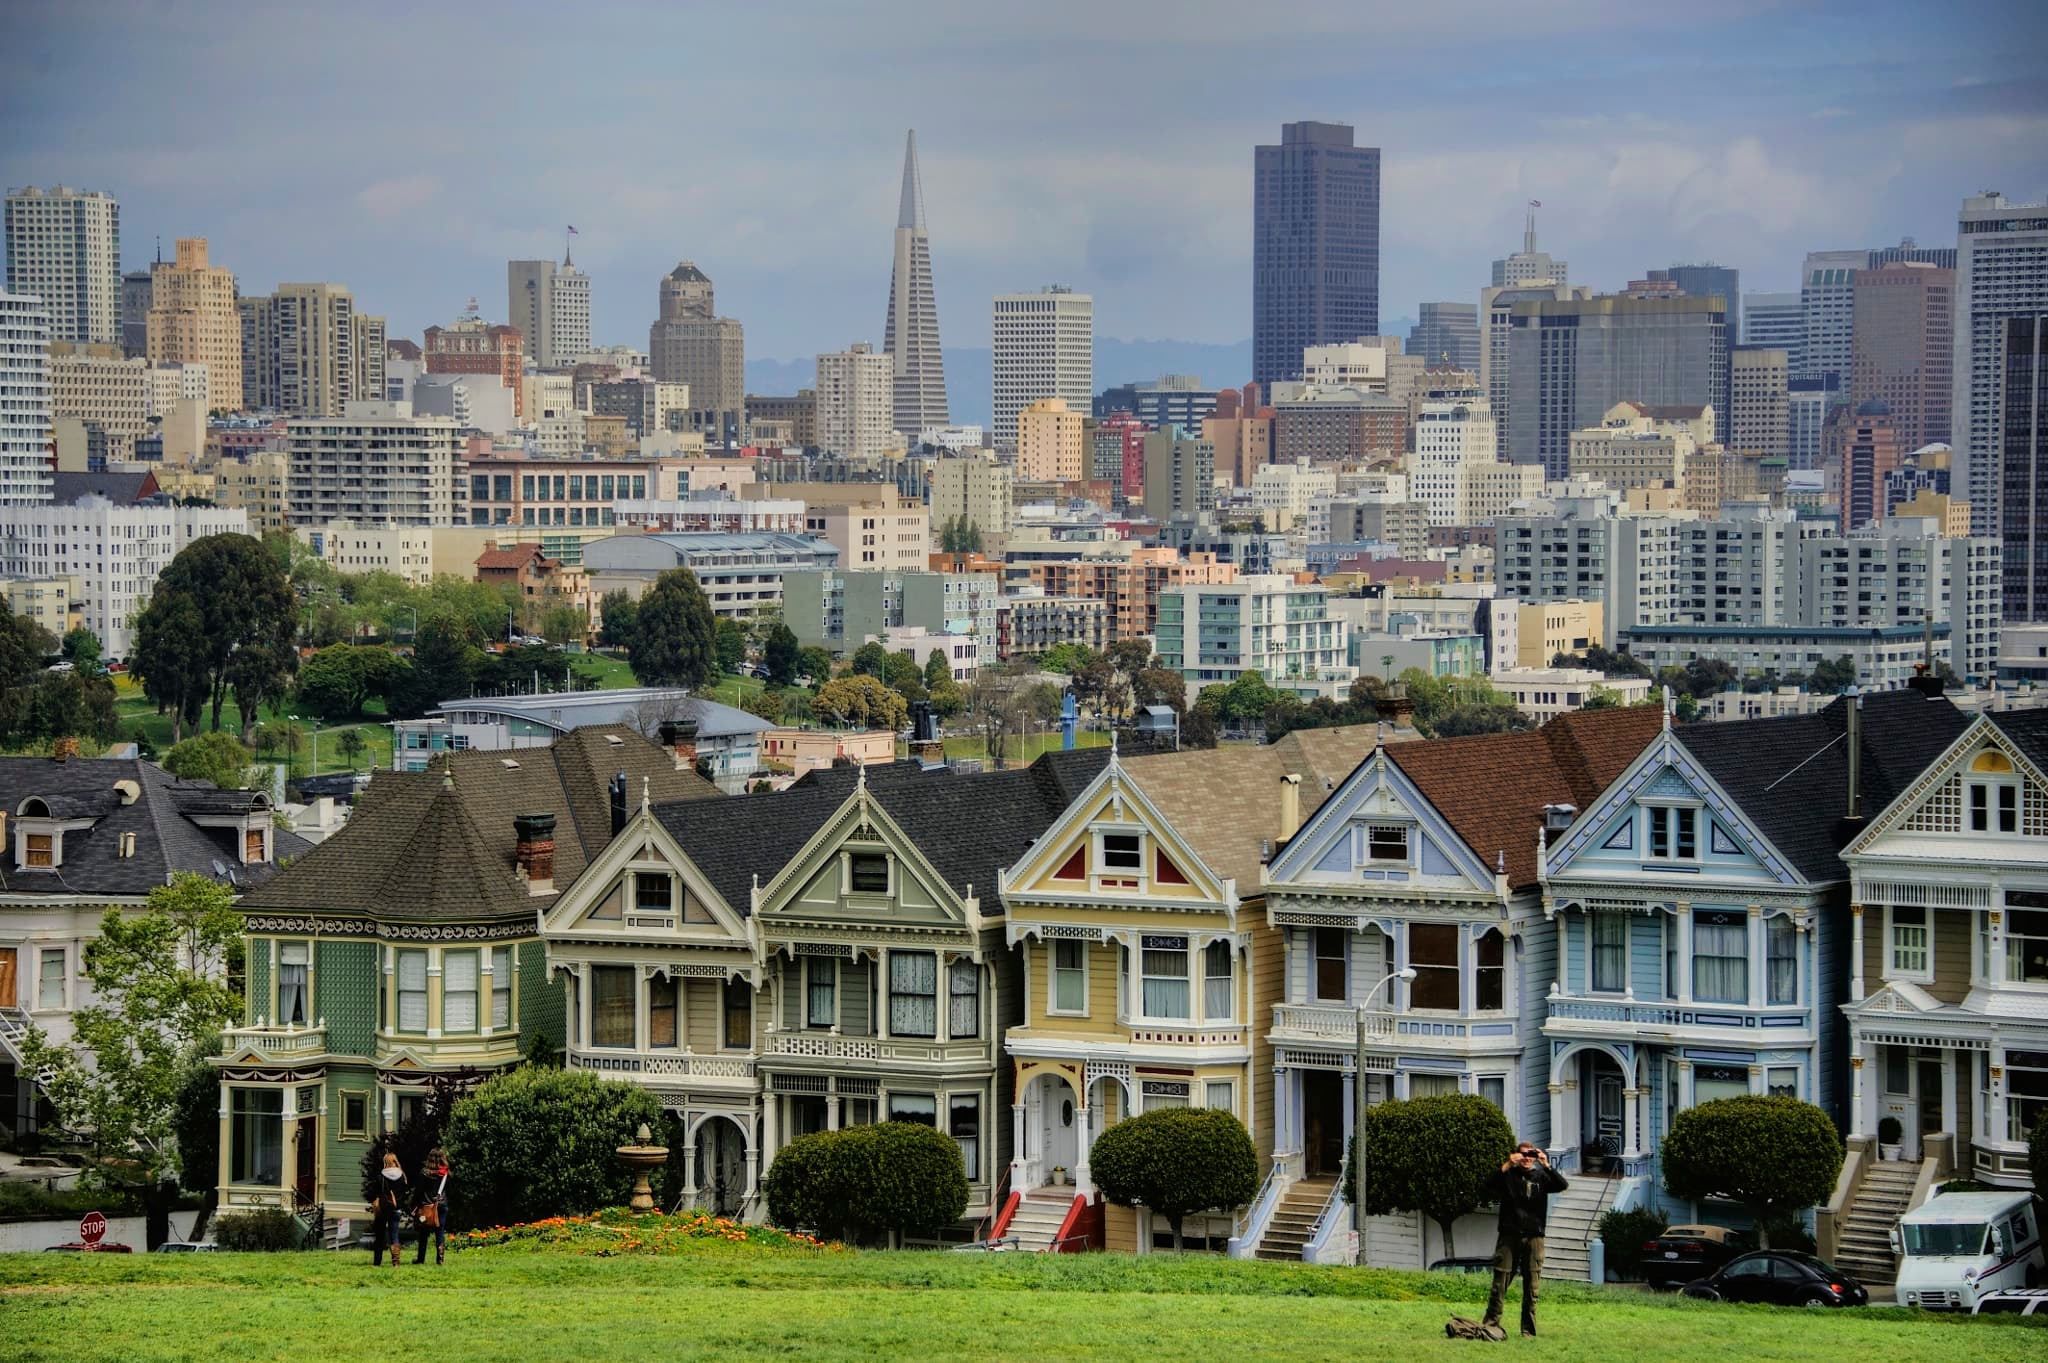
{"points": [[432, 1213], [1523, 1188], [392, 1195]]}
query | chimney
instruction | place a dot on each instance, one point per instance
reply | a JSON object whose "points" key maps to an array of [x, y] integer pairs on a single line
{"points": [[64, 749], [1855, 697], [680, 735], [535, 852], [1290, 805]]}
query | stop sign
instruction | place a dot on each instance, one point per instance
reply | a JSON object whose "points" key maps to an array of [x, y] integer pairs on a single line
{"points": [[92, 1227]]}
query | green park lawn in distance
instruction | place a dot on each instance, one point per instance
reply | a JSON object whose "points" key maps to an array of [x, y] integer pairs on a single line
{"points": [[738, 1301]]}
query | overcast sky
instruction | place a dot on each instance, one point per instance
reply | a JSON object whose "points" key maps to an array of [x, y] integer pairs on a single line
{"points": [[409, 150]]}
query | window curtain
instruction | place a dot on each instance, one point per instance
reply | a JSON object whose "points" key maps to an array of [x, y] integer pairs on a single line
{"points": [[501, 987], [458, 991], [1782, 959], [1720, 960], [611, 1005], [913, 993], [1610, 952], [291, 983], [1166, 982], [412, 991], [1069, 976], [1216, 980], [963, 1016]]}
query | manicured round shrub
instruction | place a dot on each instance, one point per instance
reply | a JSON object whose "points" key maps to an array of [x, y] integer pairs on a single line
{"points": [[265, 1230], [1775, 1156], [535, 1143], [1176, 1161], [1436, 1156], [865, 1183]]}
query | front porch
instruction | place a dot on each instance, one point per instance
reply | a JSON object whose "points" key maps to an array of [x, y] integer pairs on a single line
{"points": [[1954, 1081]]}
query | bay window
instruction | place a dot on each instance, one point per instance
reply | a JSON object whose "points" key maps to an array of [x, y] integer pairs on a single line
{"points": [[2026, 943], [412, 991], [1216, 980], [963, 1121], [913, 993], [1610, 952], [1164, 962], [1069, 977], [2026, 1093], [821, 981], [1332, 946], [1489, 971], [256, 1136], [292, 960], [1781, 960], [963, 1000], [1909, 942], [1433, 954], [1164, 1093], [921, 1108], [1494, 1089], [1432, 1085], [1710, 1082], [661, 1012], [612, 1005], [1720, 956], [501, 988], [1220, 1094], [458, 991]]}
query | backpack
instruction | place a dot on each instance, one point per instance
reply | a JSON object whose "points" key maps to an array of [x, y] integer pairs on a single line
{"points": [[1460, 1328]]}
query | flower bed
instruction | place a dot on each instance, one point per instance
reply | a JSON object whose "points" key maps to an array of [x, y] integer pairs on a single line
{"points": [[616, 1231]]}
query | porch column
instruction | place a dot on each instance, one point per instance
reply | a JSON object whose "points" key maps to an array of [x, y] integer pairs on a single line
{"points": [[753, 1164], [1684, 1085], [1083, 1182], [1632, 1128], [831, 1112], [1861, 1124], [690, 1168], [770, 1106], [1855, 953], [1557, 1140], [1950, 1114], [1017, 1146], [1681, 920], [1753, 936]]}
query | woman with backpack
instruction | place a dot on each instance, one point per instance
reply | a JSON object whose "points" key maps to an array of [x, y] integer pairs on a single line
{"points": [[432, 1214], [392, 1195]]}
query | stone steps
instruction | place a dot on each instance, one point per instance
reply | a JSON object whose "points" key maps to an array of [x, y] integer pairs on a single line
{"points": [[1293, 1222]]}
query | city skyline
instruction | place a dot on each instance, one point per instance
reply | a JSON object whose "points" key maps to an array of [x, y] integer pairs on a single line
{"points": [[1777, 154]]}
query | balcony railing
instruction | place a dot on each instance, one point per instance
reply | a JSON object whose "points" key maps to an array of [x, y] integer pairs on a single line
{"points": [[665, 1066], [1334, 1022], [875, 1050], [278, 1043], [1626, 1013]]}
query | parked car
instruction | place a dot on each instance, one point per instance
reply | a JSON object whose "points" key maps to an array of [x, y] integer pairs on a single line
{"points": [[1779, 1277], [77, 1247], [185, 1247], [1683, 1253], [2014, 1301], [1477, 1263], [1955, 1247]]}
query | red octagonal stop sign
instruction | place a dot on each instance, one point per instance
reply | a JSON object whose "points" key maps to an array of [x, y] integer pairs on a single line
{"points": [[92, 1227]]}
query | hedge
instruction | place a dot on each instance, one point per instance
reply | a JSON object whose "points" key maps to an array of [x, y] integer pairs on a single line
{"points": [[534, 1143], [864, 1184]]}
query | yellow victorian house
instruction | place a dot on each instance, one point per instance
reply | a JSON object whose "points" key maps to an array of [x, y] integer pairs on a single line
{"points": [[1147, 971]]}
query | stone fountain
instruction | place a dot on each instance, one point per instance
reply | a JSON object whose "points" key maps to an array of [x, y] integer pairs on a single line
{"points": [[643, 1158]]}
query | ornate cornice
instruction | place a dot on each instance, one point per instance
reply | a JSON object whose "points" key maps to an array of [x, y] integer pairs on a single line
{"points": [[283, 925]]}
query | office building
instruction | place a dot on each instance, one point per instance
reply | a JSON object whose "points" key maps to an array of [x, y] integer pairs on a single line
{"points": [[470, 345], [1775, 320], [1529, 266], [376, 463], [840, 608], [1860, 449], [1759, 401], [135, 295], [1807, 404], [742, 574], [799, 412], [1903, 348], [971, 489], [95, 386], [1447, 332], [2023, 469], [1117, 452], [1453, 432], [1351, 364], [1570, 362], [1169, 400], [1180, 475], [1909, 251], [1044, 348], [1283, 493], [1378, 518], [64, 247], [193, 320], [1827, 305], [1341, 424], [1263, 622], [910, 333], [1242, 431], [856, 403], [308, 351], [1315, 245], [690, 343], [1496, 317], [1052, 442], [550, 304], [891, 533], [2001, 273], [647, 406], [25, 414], [1639, 446], [1708, 281]]}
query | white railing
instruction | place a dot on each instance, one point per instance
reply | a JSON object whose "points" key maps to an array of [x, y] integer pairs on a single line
{"points": [[1321, 1020], [1251, 1224], [689, 1066], [1334, 1022], [1325, 1228], [825, 1046], [1735, 1016], [279, 1041]]}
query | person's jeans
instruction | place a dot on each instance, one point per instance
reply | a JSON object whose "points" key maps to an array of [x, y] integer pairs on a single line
{"points": [[1516, 1254], [440, 1234], [390, 1235]]}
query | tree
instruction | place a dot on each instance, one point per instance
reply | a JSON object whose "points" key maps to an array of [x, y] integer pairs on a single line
{"points": [[1066, 659], [1830, 678], [1430, 1155], [780, 655], [1776, 1156], [862, 701], [729, 643], [937, 669], [871, 660], [1600, 698], [562, 623], [764, 704], [1159, 686], [219, 758], [196, 1126], [445, 658], [24, 645], [534, 1143], [815, 663], [958, 535], [864, 1183], [619, 615], [337, 682], [420, 1133], [946, 697], [1462, 720], [1200, 727], [1177, 1161], [902, 675], [222, 618], [351, 745], [993, 710], [675, 643], [1130, 656], [82, 651], [160, 1001]]}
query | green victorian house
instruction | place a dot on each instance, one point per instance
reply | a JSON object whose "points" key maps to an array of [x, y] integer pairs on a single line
{"points": [[407, 947]]}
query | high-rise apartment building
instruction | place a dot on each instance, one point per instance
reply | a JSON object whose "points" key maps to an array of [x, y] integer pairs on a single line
{"points": [[1529, 266], [1496, 314], [193, 320], [25, 471], [1447, 331], [971, 489], [375, 464], [1570, 362], [1759, 401], [1903, 349], [2023, 468], [64, 247], [1860, 448], [1052, 442], [1453, 431], [95, 385], [470, 345], [1775, 319], [2001, 273], [910, 332], [856, 403], [135, 294], [1180, 475], [307, 351], [550, 304], [690, 343], [1315, 245], [1044, 348], [1243, 433], [1709, 281]]}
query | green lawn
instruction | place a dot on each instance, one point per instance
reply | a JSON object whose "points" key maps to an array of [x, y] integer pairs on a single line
{"points": [[1023, 751], [725, 1301]]}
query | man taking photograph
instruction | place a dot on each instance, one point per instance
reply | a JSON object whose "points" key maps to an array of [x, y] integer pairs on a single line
{"points": [[1523, 1187]]}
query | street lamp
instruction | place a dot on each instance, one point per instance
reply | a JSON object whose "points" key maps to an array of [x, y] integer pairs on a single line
{"points": [[1358, 1174], [314, 770]]}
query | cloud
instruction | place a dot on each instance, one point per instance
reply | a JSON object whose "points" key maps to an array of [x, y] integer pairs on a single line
{"points": [[387, 200]]}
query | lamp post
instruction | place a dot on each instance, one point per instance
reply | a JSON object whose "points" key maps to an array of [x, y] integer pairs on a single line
{"points": [[314, 770], [1358, 1174]]}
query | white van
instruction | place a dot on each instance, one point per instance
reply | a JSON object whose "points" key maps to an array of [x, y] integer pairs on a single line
{"points": [[1955, 1247]]}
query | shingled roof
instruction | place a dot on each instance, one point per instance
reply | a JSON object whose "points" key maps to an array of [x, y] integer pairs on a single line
{"points": [[439, 844], [160, 815], [1492, 787], [1790, 774], [2028, 730]]}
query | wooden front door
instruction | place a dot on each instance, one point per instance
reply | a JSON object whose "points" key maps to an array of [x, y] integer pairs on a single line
{"points": [[7, 960], [1322, 1114], [306, 1182]]}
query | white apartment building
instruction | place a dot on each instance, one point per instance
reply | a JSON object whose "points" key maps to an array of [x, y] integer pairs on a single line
{"points": [[890, 535], [417, 553], [554, 423], [2001, 273], [114, 551], [24, 400], [550, 304], [377, 462], [1453, 432], [974, 488], [1044, 348], [64, 247], [171, 384], [106, 391], [1266, 622], [1354, 364], [1283, 493], [856, 402], [1544, 693]]}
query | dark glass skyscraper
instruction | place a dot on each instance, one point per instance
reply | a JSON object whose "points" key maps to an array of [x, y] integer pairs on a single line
{"points": [[1315, 245], [2023, 469]]}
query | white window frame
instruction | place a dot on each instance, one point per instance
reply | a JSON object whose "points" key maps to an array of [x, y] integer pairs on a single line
{"points": [[475, 992], [1993, 786], [1924, 973], [1100, 868], [1656, 815], [1229, 978], [42, 955], [1053, 971], [846, 862], [1229, 1094], [399, 990], [501, 987], [305, 981], [1187, 978], [1593, 947], [811, 963], [1364, 856]]}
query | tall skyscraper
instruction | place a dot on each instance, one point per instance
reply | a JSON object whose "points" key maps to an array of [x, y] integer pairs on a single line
{"points": [[307, 351], [1044, 348], [193, 320], [690, 343], [1910, 251], [1496, 313], [135, 313], [550, 304], [1860, 447], [1759, 407], [1447, 331], [1569, 362], [910, 334], [1903, 348], [1827, 305], [1315, 245], [2023, 468], [856, 403], [64, 247], [1710, 281], [2001, 273], [24, 399], [1775, 319], [1529, 266]]}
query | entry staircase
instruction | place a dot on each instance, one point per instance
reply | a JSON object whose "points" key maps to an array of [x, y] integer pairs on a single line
{"points": [[1574, 1224], [1294, 1219], [1865, 1247], [1039, 1216]]}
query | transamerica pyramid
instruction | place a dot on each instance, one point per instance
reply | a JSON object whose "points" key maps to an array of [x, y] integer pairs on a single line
{"points": [[911, 335]]}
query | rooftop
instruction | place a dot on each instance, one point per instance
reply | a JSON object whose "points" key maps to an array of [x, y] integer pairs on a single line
{"points": [[630, 707]]}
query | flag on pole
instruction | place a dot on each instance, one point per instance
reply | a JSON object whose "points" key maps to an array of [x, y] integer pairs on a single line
{"points": [[1533, 203], [572, 231]]}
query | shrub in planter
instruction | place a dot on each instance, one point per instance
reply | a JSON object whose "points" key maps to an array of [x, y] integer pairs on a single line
{"points": [[1775, 1156], [865, 1183], [1889, 1132], [267, 1230], [1177, 1161], [1623, 1234], [535, 1143]]}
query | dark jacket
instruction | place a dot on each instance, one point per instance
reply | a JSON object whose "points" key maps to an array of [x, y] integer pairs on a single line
{"points": [[1524, 1197], [393, 1195]]}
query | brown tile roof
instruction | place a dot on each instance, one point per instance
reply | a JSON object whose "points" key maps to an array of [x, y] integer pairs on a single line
{"points": [[1492, 787], [508, 556]]}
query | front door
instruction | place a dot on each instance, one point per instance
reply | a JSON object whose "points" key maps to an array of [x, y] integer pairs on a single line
{"points": [[306, 1178], [1927, 1071], [721, 1167], [7, 959], [1059, 1122], [1322, 1112], [1607, 1110]]}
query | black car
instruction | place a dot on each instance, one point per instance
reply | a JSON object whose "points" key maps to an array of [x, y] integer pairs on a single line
{"points": [[1779, 1277]]}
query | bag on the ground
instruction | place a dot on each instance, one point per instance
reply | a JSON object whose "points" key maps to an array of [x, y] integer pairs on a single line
{"points": [[1460, 1328]]}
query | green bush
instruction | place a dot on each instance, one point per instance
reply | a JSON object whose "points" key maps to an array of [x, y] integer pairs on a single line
{"points": [[1889, 1132], [1177, 1161], [863, 1183], [1436, 1156], [265, 1231], [1774, 1156], [1788, 1232], [535, 1143], [1623, 1234]]}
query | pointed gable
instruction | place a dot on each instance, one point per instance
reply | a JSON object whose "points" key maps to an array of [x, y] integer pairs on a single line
{"points": [[1114, 842], [1378, 828], [1993, 751], [644, 888]]}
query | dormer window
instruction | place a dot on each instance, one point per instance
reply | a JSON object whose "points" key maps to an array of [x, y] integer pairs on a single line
{"points": [[252, 845], [1674, 832], [1123, 853], [1994, 794], [867, 872], [40, 849], [1386, 842]]}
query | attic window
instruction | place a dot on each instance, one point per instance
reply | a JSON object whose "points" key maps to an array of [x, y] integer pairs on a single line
{"points": [[1121, 852], [41, 849], [1386, 842], [867, 873], [252, 844]]}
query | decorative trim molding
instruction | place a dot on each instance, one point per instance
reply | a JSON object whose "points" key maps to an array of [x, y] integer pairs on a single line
{"points": [[262, 924]]}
